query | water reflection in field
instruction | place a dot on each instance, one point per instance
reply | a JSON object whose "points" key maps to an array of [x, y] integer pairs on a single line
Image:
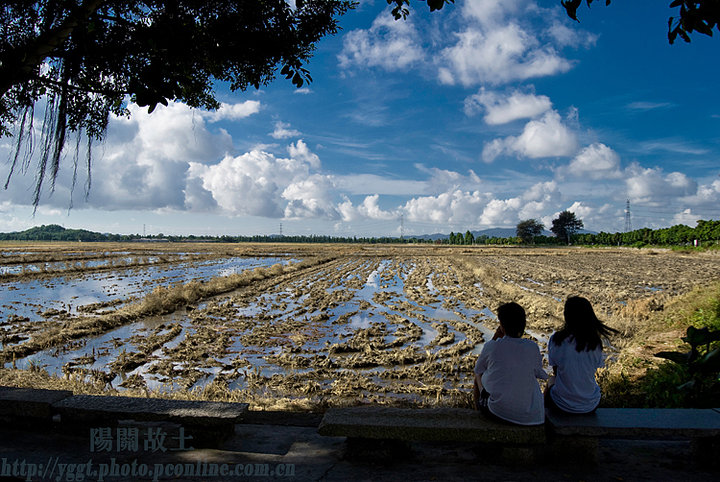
{"points": [[357, 316], [30, 299]]}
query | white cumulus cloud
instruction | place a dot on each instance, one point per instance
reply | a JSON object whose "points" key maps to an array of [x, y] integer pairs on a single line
{"points": [[482, 209], [368, 209], [490, 12], [311, 197], [250, 184], [387, 44], [564, 36], [652, 185], [597, 161], [530, 204], [497, 55], [301, 152], [547, 136], [143, 164], [686, 217], [283, 131], [446, 180], [707, 195], [448, 207], [502, 109], [258, 183], [581, 210], [236, 111]]}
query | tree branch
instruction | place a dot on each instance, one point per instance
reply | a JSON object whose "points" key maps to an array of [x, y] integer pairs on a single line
{"points": [[89, 90], [21, 61]]}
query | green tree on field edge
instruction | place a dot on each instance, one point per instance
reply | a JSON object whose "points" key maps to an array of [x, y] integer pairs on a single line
{"points": [[527, 230], [566, 225]]}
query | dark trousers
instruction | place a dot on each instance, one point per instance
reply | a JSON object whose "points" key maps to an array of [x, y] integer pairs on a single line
{"points": [[482, 406]]}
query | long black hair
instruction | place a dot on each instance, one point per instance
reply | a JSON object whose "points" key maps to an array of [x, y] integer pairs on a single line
{"points": [[583, 325]]}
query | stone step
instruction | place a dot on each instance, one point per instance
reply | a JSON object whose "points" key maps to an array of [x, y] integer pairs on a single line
{"points": [[29, 404], [441, 424], [201, 423], [90, 409], [638, 423]]}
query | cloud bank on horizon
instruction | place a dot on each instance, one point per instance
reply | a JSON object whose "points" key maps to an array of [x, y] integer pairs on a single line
{"points": [[485, 114]]}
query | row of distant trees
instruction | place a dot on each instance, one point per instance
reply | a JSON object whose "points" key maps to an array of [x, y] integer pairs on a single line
{"points": [[528, 231], [678, 235], [566, 226], [457, 238], [565, 229], [54, 232]]}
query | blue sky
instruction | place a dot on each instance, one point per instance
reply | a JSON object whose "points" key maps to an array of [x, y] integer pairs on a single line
{"points": [[481, 115]]}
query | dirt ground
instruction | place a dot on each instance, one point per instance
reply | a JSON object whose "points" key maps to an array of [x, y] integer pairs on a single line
{"points": [[347, 325]]}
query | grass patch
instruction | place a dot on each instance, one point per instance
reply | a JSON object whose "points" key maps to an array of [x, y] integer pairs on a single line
{"points": [[646, 381], [706, 313]]}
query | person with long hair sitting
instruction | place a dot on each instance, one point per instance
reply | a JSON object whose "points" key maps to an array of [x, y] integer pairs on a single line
{"points": [[575, 353]]}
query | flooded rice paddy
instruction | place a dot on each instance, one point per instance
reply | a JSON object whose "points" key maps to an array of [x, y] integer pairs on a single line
{"points": [[36, 298], [357, 323]]}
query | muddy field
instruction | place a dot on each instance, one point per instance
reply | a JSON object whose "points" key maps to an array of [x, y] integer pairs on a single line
{"points": [[331, 324]]}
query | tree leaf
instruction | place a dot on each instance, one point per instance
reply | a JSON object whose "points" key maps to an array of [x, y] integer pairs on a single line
{"points": [[704, 29], [435, 4], [571, 7]]}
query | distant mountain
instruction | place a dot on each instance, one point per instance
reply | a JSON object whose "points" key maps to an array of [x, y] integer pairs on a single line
{"points": [[431, 237], [53, 232], [490, 233], [496, 233]]}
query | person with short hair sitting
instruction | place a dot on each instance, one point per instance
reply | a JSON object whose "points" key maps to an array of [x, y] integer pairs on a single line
{"points": [[507, 370]]}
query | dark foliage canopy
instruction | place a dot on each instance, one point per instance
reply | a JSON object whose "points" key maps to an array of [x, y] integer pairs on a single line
{"points": [[565, 225], [692, 16], [83, 60], [86, 58], [401, 10], [529, 229]]}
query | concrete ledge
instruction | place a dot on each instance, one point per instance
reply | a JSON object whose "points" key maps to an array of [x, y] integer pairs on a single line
{"points": [[204, 424], [638, 423], [575, 437], [29, 403], [441, 424], [89, 409]]}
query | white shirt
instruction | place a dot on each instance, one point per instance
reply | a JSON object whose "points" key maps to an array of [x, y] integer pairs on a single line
{"points": [[509, 368], [575, 389]]}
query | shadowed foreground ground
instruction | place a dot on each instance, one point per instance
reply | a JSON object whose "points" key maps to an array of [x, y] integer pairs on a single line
{"points": [[284, 443]]}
